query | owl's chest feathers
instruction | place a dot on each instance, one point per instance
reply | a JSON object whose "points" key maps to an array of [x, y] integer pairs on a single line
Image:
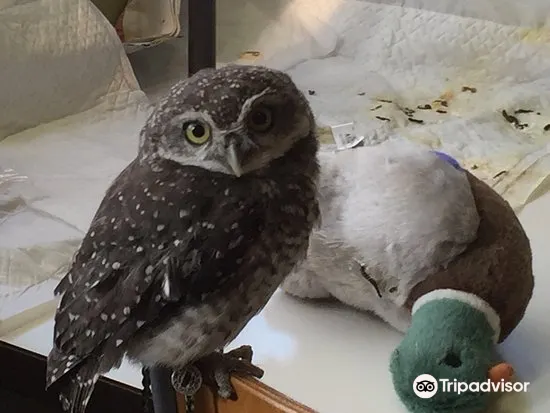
{"points": [[202, 329], [289, 210]]}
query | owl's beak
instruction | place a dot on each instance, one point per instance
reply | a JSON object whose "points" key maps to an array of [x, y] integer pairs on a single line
{"points": [[233, 160]]}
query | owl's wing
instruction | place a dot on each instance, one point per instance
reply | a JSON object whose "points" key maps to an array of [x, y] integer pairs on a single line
{"points": [[159, 241]]}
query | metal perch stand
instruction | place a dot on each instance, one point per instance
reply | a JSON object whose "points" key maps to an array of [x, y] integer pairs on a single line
{"points": [[163, 394], [198, 22]]}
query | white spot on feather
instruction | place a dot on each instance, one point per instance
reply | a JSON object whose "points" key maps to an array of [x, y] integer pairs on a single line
{"points": [[166, 286], [149, 270], [119, 342], [104, 317], [116, 265]]}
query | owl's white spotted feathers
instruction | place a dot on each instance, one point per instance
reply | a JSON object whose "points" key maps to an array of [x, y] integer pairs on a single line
{"points": [[195, 235]]}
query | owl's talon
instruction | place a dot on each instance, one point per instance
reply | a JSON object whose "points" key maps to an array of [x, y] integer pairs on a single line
{"points": [[241, 353], [217, 369]]}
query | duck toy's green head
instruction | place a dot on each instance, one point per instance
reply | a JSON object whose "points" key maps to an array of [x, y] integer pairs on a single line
{"points": [[447, 361]]}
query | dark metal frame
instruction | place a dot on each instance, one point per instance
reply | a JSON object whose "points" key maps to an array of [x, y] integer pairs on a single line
{"points": [[198, 23], [23, 373]]}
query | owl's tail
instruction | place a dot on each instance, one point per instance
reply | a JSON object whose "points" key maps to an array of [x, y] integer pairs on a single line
{"points": [[74, 379]]}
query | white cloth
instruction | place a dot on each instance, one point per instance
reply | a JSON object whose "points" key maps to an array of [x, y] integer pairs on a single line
{"points": [[148, 23], [353, 53]]}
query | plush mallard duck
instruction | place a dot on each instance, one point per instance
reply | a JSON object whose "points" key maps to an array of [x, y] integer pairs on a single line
{"points": [[432, 250]]}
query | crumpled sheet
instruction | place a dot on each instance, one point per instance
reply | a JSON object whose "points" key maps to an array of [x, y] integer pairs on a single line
{"points": [[147, 23], [371, 61], [71, 114]]}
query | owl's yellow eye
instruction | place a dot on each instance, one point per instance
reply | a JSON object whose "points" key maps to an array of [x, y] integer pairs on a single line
{"points": [[260, 119], [196, 132]]}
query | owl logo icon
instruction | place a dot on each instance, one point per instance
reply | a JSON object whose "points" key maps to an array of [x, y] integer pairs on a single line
{"points": [[425, 386]]}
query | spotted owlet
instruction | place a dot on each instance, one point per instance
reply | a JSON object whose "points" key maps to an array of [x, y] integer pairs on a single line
{"points": [[195, 234]]}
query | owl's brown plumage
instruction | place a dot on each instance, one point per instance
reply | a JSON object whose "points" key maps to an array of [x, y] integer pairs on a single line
{"points": [[194, 236]]}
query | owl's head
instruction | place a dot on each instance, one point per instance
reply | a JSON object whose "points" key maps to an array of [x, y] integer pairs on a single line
{"points": [[234, 120]]}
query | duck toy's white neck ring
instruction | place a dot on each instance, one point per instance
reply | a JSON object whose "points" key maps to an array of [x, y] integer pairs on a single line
{"points": [[467, 298]]}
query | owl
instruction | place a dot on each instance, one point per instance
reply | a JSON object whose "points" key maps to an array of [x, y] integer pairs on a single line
{"points": [[195, 234]]}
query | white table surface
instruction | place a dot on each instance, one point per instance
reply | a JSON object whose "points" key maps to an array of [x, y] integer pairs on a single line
{"points": [[336, 360]]}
